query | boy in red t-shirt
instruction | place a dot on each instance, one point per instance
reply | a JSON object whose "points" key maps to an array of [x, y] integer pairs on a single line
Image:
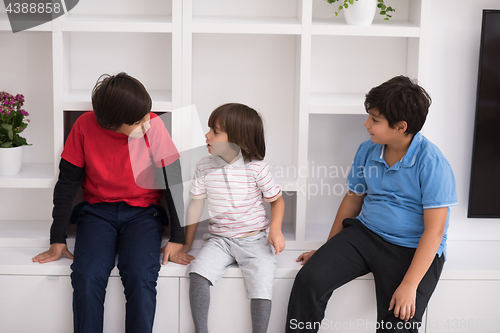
{"points": [[117, 215]]}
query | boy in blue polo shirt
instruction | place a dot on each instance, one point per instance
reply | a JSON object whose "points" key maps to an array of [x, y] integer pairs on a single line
{"points": [[392, 222]]}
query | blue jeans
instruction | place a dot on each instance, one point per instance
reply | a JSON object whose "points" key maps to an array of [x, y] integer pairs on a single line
{"points": [[102, 231]]}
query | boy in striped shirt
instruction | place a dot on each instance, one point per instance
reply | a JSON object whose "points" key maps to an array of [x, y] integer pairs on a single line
{"points": [[234, 179]]}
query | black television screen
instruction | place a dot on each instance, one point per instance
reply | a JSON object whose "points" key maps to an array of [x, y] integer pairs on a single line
{"points": [[484, 195]]}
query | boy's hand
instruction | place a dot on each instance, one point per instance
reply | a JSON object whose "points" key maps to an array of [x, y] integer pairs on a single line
{"points": [[55, 252], [173, 251], [277, 240], [403, 302], [304, 257]]}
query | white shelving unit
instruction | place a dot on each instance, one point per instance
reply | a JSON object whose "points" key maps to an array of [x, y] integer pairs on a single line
{"points": [[305, 72], [288, 59]]}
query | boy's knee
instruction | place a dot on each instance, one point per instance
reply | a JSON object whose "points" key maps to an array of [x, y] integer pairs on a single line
{"points": [[137, 280], [306, 277]]}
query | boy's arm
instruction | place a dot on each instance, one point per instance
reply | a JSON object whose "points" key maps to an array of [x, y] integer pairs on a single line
{"points": [[70, 179], [276, 237], [403, 299], [193, 215], [350, 207], [172, 176]]}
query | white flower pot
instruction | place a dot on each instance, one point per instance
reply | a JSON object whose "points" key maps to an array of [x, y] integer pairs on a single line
{"points": [[11, 160], [362, 12]]}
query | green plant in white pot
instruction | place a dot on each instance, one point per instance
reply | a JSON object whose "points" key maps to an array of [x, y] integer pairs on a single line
{"points": [[12, 122], [363, 10]]}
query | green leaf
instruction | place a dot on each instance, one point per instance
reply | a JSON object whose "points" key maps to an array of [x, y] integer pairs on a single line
{"points": [[351, 2], [6, 145], [340, 7], [10, 134], [346, 6], [7, 127], [382, 12], [19, 141], [18, 120], [382, 7]]}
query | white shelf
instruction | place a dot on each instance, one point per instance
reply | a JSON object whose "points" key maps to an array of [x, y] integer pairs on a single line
{"points": [[246, 25], [462, 263], [80, 100], [324, 103], [393, 28], [116, 23], [32, 175]]}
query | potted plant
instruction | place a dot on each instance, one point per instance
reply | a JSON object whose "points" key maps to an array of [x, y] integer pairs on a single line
{"points": [[363, 12], [12, 122]]}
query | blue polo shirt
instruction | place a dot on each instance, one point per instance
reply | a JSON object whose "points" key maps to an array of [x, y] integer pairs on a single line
{"points": [[397, 196]]}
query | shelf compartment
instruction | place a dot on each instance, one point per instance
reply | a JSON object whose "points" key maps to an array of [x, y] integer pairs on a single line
{"points": [[333, 142], [119, 16], [404, 23], [344, 67], [336, 103], [245, 17], [145, 56], [256, 70], [32, 175]]}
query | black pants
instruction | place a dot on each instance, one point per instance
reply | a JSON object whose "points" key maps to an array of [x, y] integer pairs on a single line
{"points": [[354, 252]]}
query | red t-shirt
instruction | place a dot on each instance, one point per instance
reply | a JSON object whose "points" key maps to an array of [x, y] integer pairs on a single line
{"points": [[115, 164]]}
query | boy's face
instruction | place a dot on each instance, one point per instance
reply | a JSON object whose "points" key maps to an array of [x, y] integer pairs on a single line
{"points": [[137, 129], [379, 129], [216, 140]]}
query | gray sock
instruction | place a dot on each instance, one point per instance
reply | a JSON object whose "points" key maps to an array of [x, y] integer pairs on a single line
{"points": [[199, 298], [261, 312]]}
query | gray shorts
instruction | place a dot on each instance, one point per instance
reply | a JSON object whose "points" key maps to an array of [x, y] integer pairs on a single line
{"points": [[254, 255]]}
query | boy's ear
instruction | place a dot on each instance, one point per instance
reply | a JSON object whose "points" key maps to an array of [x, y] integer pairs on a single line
{"points": [[402, 126]]}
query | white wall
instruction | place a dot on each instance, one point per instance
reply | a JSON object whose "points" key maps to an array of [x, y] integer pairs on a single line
{"points": [[452, 82]]}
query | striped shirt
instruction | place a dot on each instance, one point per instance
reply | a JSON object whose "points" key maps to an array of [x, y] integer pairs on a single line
{"points": [[234, 194]]}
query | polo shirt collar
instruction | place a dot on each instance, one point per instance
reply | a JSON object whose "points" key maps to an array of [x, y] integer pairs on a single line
{"points": [[411, 154], [219, 162]]}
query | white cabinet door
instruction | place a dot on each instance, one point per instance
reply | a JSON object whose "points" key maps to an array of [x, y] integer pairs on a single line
{"points": [[43, 304], [461, 306], [36, 304], [230, 309], [167, 306], [352, 308]]}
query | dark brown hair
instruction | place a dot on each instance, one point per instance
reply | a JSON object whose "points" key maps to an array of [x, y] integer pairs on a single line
{"points": [[400, 99], [243, 126], [119, 99]]}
